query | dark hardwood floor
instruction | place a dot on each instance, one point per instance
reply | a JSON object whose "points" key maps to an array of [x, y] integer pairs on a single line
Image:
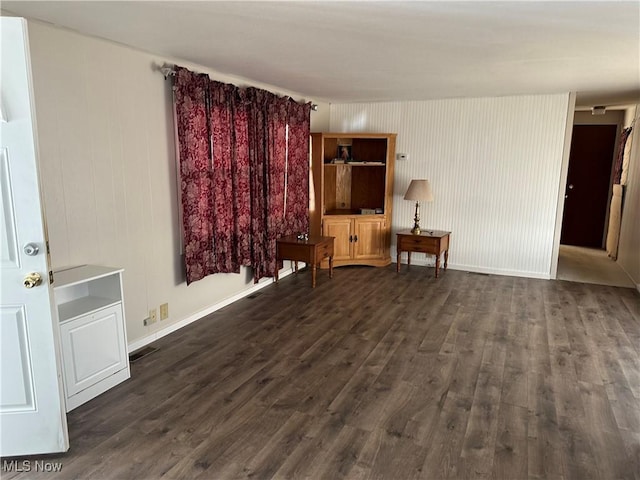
{"points": [[380, 375]]}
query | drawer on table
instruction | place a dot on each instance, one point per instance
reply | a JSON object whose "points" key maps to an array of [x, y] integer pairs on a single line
{"points": [[324, 250], [418, 243], [290, 251]]}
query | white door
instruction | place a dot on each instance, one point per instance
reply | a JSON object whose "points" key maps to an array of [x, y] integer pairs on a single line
{"points": [[32, 414]]}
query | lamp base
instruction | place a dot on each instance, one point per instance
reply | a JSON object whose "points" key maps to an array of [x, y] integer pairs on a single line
{"points": [[416, 221]]}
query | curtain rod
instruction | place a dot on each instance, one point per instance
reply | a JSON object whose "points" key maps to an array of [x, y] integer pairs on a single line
{"points": [[168, 71]]}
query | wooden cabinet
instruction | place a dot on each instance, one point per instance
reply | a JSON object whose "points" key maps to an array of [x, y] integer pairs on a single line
{"points": [[352, 198], [369, 238], [341, 228], [357, 239], [93, 337]]}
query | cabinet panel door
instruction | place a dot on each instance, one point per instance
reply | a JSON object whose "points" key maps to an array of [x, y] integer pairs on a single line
{"points": [[92, 348], [340, 228], [370, 234]]}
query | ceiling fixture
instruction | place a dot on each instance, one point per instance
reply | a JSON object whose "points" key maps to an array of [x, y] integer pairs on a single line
{"points": [[598, 110]]}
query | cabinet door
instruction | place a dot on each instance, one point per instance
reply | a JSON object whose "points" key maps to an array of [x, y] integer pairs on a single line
{"points": [[92, 348], [370, 238], [341, 229]]}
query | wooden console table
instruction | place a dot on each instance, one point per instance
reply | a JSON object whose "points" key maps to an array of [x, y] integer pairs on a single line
{"points": [[433, 242], [311, 251]]}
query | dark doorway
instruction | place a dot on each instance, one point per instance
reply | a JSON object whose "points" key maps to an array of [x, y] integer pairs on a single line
{"points": [[588, 181]]}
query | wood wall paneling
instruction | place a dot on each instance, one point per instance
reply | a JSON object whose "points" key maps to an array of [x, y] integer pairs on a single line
{"points": [[494, 166]]}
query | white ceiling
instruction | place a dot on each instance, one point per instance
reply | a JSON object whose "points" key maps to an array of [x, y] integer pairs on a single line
{"points": [[383, 51]]}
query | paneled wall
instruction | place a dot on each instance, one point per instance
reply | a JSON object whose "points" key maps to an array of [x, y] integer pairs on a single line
{"points": [[107, 161], [494, 165]]}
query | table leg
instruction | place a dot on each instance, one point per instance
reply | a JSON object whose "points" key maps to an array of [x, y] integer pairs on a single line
{"points": [[437, 264], [408, 258], [276, 275], [295, 263], [330, 267], [398, 262], [446, 258], [313, 275]]}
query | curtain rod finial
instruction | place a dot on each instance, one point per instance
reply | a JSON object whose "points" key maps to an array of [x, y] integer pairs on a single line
{"points": [[167, 71]]}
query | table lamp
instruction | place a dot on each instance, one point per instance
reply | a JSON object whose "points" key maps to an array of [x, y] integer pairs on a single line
{"points": [[418, 190]]}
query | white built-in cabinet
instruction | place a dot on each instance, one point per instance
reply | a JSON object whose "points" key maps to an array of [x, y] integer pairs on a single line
{"points": [[93, 337]]}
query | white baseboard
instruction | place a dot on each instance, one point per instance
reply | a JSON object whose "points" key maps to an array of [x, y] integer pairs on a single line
{"points": [[498, 271], [138, 344], [629, 275], [476, 269]]}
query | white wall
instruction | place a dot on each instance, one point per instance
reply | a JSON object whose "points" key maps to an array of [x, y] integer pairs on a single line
{"points": [[494, 165], [107, 156], [629, 246]]}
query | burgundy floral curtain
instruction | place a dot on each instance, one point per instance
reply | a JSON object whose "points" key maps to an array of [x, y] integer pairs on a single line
{"points": [[244, 174], [191, 106], [275, 184], [267, 146], [257, 152], [297, 194], [231, 179]]}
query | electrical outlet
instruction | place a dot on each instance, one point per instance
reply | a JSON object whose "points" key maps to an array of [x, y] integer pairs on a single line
{"points": [[153, 316], [164, 311]]}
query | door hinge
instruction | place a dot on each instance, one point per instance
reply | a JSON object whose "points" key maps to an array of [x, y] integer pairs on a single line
{"points": [[48, 251], [50, 277]]}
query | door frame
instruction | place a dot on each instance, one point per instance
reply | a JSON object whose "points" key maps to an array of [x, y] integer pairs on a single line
{"points": [[571, 122], [564, 169], [595, 122]]}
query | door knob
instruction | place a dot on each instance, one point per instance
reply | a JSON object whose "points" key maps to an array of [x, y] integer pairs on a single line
{"points": [[571, 186], [32, 280]]}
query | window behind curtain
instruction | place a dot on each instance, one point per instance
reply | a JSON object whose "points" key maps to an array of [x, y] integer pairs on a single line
{"points": [[243, 169]]}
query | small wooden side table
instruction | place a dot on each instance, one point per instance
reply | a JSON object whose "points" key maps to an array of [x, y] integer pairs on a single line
{"points": [[311, 251], [433, 242]]}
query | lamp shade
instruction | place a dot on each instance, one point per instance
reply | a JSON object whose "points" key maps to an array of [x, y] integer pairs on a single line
{"points": [[419, 190]]}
